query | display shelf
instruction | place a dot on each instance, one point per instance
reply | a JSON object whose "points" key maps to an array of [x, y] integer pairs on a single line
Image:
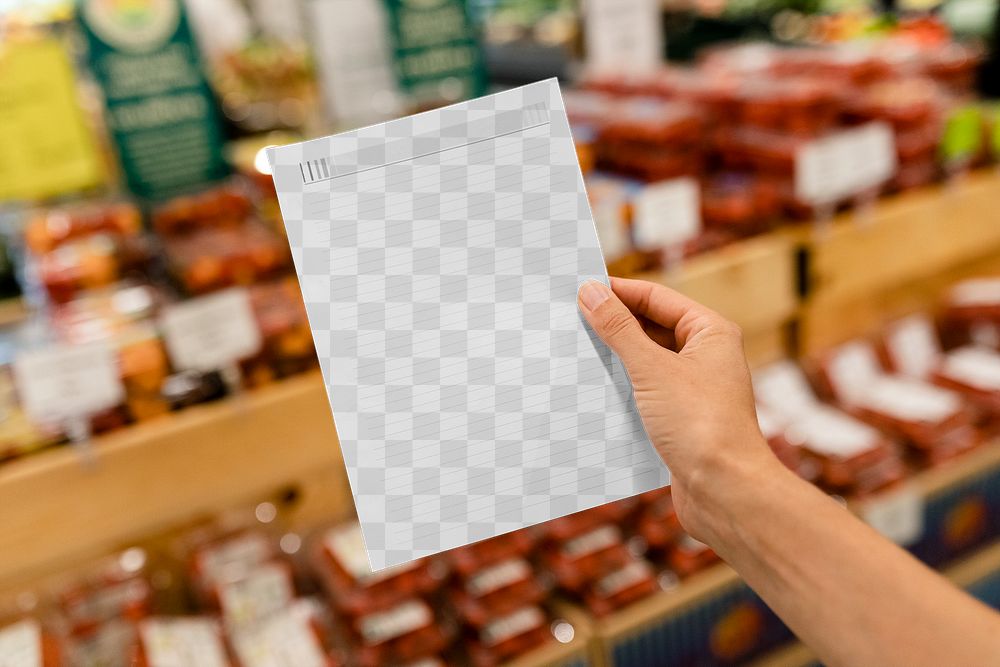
{"points": [[896, 258], [60, 508], [752, 282], [967, 574]]}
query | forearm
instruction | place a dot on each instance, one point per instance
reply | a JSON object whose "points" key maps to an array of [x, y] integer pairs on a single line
{"points": [[852, 596]]}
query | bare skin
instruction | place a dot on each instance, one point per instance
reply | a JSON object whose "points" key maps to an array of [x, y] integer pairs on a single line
{"points": [[849, 594]]}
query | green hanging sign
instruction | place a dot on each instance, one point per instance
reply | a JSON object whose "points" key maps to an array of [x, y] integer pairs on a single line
{"points": [[160, 111], [436, 50], [963, 135]]}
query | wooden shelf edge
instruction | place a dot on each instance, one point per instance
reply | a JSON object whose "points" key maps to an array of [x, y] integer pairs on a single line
{"points": [[153, 476]]}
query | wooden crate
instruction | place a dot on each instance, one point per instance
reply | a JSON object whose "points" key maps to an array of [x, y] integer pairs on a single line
{"points": [[862, 272], [752, 282], [59, 509]]}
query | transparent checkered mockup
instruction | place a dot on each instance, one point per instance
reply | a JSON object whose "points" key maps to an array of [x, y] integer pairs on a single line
{"points": [[439, 257]]}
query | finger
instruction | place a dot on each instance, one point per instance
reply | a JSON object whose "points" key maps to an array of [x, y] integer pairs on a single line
{"points": [[666, 307], [615, 324]]}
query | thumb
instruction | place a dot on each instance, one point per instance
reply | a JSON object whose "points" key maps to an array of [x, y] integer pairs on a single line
{"points": [[615, 324]]}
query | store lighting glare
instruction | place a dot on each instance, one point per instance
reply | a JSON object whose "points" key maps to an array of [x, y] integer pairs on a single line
{"points": [[260, 161]]}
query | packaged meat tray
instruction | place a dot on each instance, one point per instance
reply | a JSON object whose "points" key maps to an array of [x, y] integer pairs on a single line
{"points": [[468, 560], [227, 557], [581, 559], [292, 636], [509, 636], [656, 522], [400, 634], [912, 348], [342, 565], [224, 206], [50, 228], [496, 590], [194, 641], [689, 555], [620, 588], [850, 456], [932, 420], [210, 259], [255, 595]]}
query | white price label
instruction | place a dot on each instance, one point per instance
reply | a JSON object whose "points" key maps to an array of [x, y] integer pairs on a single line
{"points": [[21, 645], [283, 640], [852, 369], [68, 381], [262, 593], [898, 515], [845, 163], [667, 214], [623, 35], [211, 332], [783, 388]]}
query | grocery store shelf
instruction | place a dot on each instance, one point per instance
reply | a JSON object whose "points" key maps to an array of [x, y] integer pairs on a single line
{"points": [[896, 259], [58, 509]]}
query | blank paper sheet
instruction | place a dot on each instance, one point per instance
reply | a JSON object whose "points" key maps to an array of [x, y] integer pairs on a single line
{"points": [[439, 257]]}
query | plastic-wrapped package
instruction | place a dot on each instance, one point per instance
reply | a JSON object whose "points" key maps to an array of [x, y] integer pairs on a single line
{"points": [[50, 228], [115, 588], [26, 644], [579, 560], [741, 202], [227, 557], [688, 556], [90, 262], [932, 420], [508, 636], [620, 588], [851, 456], [292, 636], [656, 522], [912, 349], [194, 641], [342, 565], [255, 595], [284, 326], [797, 106], [400, 634], [223, 206], [905, 103], [572, 525], [214, 258], [496, 590], [469, 560]]}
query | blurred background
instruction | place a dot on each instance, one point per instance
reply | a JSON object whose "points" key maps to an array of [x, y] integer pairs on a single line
{"points": [[823, 172]]}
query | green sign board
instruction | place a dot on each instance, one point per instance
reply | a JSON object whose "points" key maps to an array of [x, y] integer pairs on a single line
{"points": [[436, 50], [160, 110]]}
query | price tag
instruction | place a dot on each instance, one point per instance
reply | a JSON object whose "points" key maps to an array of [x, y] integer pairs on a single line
{"points": [[66, 382], [845, 163], [898, 515], [667, 214], [852, 369], [211, 332], [182, 641], [623, 35]]}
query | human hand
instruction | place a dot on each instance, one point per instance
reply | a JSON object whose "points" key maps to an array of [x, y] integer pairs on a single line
{"points": [[693, 390]]}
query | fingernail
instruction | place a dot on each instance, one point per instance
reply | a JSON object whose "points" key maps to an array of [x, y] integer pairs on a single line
{"points": [[593, 294]]}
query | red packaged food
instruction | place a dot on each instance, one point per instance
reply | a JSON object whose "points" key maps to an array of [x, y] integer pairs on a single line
{"points": [[228, 558], [191, 641], [292, 636], [90, 262], [974, 301], [400, 634], [211, 259], [110, 643], [497, 589], [652, 121], [572, 525], [621, 588], [905, 103], [509, 636], [689, 555], [912, 349], [795, 106], [846, 454], [116, 588], [930, 419], [657, 522], [284, 326], [255, 595], [51, 228], [769, 151], [224, 206], [772, 427], [342, 565], [741, 202], [468, 560], [587, 108], [581, 559], [25, 644]]}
